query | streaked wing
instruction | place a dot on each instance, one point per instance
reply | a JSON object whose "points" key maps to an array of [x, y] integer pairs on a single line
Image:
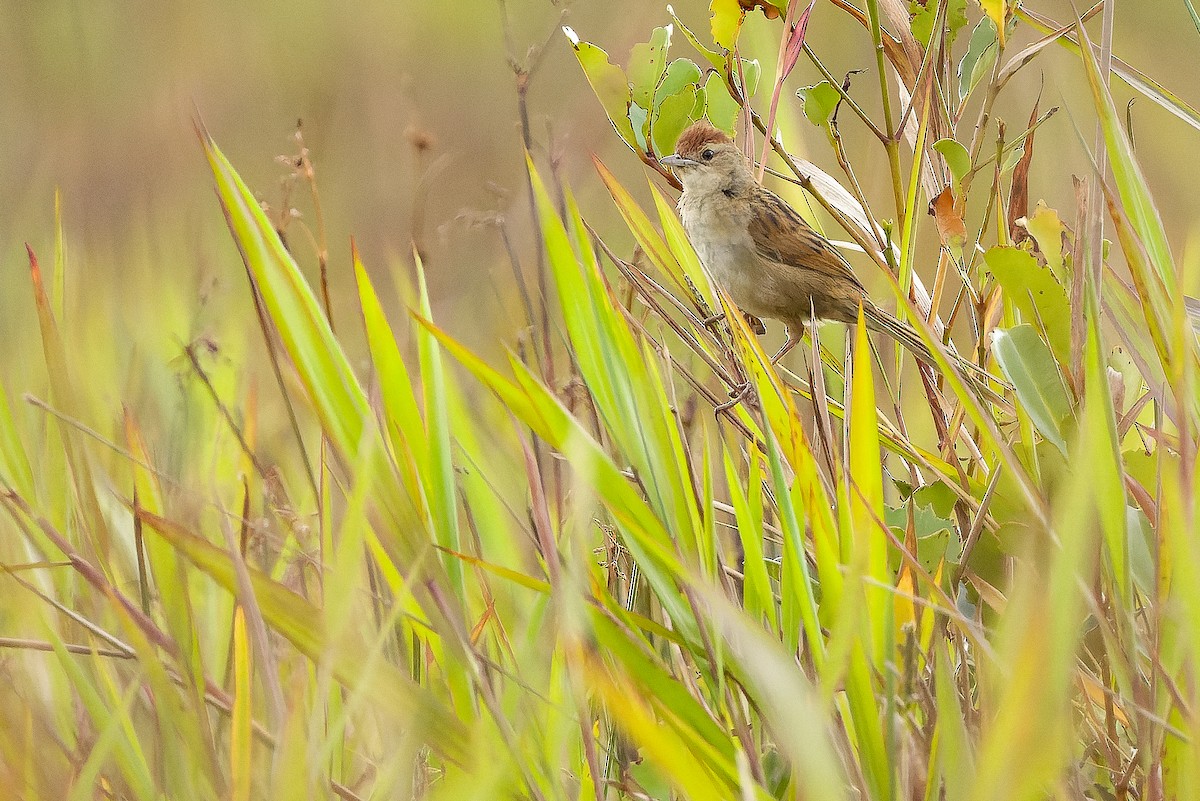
{"points": [[782, 236]]}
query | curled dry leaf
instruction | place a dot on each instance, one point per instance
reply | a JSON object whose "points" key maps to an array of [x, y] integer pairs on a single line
{"points": [[769, 9], [1018, 204], [946, 213]]}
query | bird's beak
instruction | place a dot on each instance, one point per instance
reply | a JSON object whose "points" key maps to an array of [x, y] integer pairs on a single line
{"points": [[675, 160]]}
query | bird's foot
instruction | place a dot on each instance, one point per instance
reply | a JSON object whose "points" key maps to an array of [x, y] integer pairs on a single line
{"points": [[736, 396], [756, 325]]}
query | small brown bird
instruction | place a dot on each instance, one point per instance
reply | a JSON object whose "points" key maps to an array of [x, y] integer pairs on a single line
{"points": [[770, 261]]}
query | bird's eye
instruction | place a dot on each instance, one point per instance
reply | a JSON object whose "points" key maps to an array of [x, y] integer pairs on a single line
{"points": [[707, 155]]}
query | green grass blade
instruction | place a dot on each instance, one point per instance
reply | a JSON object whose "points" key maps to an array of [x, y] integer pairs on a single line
{"points": [[302, 625]]}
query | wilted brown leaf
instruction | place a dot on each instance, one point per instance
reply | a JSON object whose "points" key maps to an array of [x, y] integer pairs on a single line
{"points": [[769, 10], [951, 228], [1018, 204]]}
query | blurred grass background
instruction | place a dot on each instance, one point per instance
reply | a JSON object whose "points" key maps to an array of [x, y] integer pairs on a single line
{"points": [[97, 99]]}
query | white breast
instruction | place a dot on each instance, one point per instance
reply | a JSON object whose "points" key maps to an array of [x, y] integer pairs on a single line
{"points": [[723, 243]]}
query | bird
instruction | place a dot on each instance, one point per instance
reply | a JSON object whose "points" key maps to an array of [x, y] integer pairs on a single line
{"points": [[758, 249]]}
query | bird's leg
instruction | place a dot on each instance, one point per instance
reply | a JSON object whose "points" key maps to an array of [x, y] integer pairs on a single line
{"points": [[713, 320], [795, 333]]}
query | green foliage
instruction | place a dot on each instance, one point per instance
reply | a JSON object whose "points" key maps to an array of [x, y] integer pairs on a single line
{"points": [[924, 17], [979, 58], [819, 102], [1032, 290], [956, 156], [1029, 365], [399, 569], [653, 100]]}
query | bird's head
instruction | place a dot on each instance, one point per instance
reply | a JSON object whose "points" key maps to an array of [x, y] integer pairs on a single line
{"points": [[705, 158]]}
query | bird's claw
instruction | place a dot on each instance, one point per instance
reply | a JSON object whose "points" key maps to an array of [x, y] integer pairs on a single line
{"points": [[736, 396]]}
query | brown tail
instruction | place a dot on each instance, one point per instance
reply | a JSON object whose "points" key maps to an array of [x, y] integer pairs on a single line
{"points": [[906, 335]]}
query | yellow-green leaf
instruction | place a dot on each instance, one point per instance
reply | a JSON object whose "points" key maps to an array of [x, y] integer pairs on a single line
{"points": [[1030, 366], [1032, 289], [608, 82], [997, 11], [727, 17]]}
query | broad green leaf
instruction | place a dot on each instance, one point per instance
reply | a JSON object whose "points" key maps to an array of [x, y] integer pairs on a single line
{"points": [[956, 156], [1030, 367], [719, 106], [980, 56], [1032, 289], [1011, 157], [713, 57], [819, 101], [608, 82], [924, 14], [935, 542], [680, 73], [1048, 230], [639, 118], [647, 64], [675, 113], [678, 102], [751, 70], [938, 497]]}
